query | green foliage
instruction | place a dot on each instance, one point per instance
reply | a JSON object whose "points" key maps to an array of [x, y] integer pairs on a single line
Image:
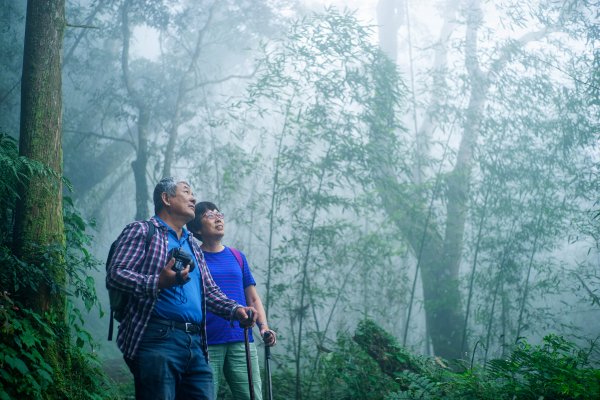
{"points": [[26, 352], [14, 170], [24, 369], [328, 262], [420, 387], [534, 176], [383, 347], [79, 260], [555, 369], [29, 341], [348, 372]]}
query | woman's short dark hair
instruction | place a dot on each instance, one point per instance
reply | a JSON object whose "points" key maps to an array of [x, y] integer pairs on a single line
{"points": [[195, 225]]}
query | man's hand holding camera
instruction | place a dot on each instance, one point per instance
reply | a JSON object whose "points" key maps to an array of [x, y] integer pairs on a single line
{"points": [[177, 270]]}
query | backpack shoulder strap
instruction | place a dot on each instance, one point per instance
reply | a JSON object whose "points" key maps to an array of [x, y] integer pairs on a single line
{"points": [[238, 257], [151, 230]]}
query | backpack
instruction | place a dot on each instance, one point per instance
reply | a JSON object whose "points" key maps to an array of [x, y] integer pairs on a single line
{"points": [[118, 298], [238, 257]]}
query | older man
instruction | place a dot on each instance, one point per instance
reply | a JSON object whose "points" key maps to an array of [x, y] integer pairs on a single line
{"points": [[162, 334]]}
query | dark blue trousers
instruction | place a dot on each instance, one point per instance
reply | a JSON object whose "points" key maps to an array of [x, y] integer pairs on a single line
{"points": [[170, 365]]}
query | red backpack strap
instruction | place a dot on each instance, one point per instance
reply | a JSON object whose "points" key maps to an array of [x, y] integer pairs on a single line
{"points": [[238, 257]]}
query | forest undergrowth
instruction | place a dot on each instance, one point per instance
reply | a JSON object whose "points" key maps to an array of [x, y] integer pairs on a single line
{"points": [[372, 365]]}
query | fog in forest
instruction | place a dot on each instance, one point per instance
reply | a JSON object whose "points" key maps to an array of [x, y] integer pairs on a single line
{"points": [[431, 166]]}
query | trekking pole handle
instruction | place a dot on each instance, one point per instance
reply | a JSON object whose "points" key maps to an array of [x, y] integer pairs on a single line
{"points": [[267, 348], [250, 315]]}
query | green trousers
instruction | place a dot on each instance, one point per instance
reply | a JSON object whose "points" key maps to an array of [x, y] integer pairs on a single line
{"points": [[229, 361]]}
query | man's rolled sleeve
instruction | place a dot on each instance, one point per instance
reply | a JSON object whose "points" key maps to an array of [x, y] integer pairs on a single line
{"points": [[152, 289]]}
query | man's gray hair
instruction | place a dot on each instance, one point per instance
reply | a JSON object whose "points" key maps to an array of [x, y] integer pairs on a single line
{"points": [[166, 185]]}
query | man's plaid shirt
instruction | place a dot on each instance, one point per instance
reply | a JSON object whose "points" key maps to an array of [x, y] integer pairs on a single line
{"points": [[137, 273]]}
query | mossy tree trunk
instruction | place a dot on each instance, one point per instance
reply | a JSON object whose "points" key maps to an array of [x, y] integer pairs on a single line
{"points": [[39, 218], [39, 237]]}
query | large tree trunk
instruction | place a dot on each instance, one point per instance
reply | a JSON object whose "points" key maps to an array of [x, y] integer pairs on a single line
{"points": [[407, 208], [441, 279], [39, 218], [439, 256], [39, 237]]}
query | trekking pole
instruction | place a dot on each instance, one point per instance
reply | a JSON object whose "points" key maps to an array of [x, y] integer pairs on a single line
{"points": [[248, 360], [268, 367]]}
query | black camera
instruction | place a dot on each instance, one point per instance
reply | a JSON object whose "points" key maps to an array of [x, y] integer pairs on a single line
{"points": [[182, 259]]}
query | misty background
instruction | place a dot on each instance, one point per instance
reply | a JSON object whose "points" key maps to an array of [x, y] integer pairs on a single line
{"points": [[448, 191]]}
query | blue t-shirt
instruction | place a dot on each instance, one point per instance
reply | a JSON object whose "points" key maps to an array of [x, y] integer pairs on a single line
{"points": [[232, 280], [181, 303]]}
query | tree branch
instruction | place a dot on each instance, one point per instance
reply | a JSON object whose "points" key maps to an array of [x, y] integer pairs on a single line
{"points": [[10, 91], [595, 298], [89, 19], [82, 26], [224, 79], [98, 135], [510, 48]]}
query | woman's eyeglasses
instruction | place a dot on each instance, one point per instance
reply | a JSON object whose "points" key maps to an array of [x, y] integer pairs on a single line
{"points": [[214, 215]]}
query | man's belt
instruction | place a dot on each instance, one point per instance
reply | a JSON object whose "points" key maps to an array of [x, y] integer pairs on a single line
{"points": [[188, 327]]}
